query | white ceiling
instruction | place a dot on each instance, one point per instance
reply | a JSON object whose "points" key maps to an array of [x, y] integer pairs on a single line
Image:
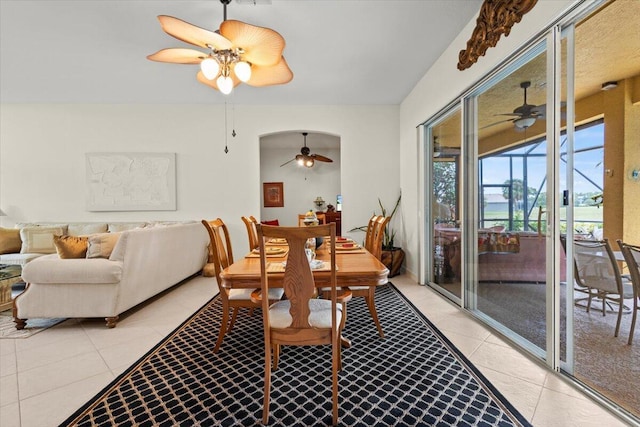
{"points": [[342, 52]]}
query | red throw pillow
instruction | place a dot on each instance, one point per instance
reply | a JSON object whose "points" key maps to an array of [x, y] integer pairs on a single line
{"points": [[271, 222]]}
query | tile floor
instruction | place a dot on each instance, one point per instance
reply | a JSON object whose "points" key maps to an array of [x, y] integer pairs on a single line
{"points": [[45, 378]]}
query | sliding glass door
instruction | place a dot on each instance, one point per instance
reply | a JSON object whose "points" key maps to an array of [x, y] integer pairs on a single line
{"points": [[444, 221], [541, 157], [509, 238], [603, 203]]}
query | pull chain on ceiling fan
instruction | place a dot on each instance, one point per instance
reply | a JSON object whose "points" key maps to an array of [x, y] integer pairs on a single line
{"points": [[237, 52], [305, 158]]}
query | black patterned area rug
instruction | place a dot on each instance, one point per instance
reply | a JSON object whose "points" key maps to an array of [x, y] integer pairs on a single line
{"points": [[413, 377]]}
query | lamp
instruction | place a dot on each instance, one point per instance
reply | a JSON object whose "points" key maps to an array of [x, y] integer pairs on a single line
{"points": [[609, 85], [524, 122], [319, 201], [237, 52]]}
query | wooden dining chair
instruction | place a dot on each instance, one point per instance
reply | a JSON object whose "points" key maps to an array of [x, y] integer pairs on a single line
{"points": [[368, 239], [373, 243], [250, 222], [631, 255], [375, 235], [232, 299], [300, 318]]}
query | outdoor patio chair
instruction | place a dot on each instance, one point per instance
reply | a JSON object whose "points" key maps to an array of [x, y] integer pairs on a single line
{"points": [[597, 271], [631, 255]]}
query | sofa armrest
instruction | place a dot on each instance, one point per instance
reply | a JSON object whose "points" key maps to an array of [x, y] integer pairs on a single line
{"points": [[52, 269]]}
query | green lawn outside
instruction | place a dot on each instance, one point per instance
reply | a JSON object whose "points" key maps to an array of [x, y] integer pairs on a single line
{"points": [[585, 218], [581, 213]]}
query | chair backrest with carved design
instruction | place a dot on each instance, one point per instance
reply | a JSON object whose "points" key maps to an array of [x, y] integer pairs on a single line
{"points": [[298, 282], [368, 239], [250, 222], [375, 234], [220, 245]]}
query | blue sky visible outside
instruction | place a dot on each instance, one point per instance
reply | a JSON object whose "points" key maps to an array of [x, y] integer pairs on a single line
{"points": [[496, 170]]}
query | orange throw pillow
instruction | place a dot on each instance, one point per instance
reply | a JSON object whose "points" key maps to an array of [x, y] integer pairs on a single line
{"points": [[71, 246]]}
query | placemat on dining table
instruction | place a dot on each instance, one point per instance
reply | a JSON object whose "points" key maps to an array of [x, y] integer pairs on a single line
{"points": [[254, 254], [278, 267], [358, 250]]}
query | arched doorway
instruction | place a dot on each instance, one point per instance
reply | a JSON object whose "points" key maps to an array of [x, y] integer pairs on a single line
{"points": [[301, 185]]}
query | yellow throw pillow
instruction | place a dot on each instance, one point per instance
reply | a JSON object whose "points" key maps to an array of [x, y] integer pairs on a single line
{"points": [[10, 242], [101, 245], [71, 246]]}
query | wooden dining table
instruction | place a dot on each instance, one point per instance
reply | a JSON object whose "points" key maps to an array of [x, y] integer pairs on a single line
{"points": [[356, 267]]}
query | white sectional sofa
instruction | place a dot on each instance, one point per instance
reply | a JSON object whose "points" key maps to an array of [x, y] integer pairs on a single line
{"points": [[32, 247], [143, 262]]}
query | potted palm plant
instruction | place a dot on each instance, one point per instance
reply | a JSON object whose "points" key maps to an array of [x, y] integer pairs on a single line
{"points": [[392, 256]]}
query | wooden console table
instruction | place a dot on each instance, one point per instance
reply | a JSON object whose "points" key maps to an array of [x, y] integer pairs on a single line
{"points": [[335, 217]]}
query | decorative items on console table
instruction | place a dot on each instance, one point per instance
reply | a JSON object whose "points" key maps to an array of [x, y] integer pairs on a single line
{"points": [[319, 201]]}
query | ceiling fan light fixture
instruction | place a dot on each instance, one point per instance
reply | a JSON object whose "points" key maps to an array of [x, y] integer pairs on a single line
{"points": [[242, 69], [306, 158], [525, 122], [225, 84], [210, 68], [236, 51]]}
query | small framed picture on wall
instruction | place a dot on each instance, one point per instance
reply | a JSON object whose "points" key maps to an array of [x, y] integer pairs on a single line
{"points": [[273, 194]]}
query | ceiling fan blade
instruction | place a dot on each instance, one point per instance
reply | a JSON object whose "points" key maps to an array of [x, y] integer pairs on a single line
{"points": [[202, 79], [193, 34], [286, 163], [509, 114], [497, 123], [541, 110], [270, 75], [262, 46], [321, 158], [178, 56]]}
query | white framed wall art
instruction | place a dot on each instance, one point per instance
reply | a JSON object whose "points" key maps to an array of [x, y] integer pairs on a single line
{"points": [[131, 181]]}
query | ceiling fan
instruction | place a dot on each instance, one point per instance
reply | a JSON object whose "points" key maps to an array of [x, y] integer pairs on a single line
{"points": [[237, 52], [525, 115], [305, 158]]}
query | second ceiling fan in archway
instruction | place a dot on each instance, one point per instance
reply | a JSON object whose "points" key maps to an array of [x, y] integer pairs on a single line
{"points": [[305, 158]]}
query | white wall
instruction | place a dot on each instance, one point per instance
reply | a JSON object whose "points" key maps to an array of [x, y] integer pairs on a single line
{"points": [[301, 185], [42, 147], [441, 85], [42, 155]]}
